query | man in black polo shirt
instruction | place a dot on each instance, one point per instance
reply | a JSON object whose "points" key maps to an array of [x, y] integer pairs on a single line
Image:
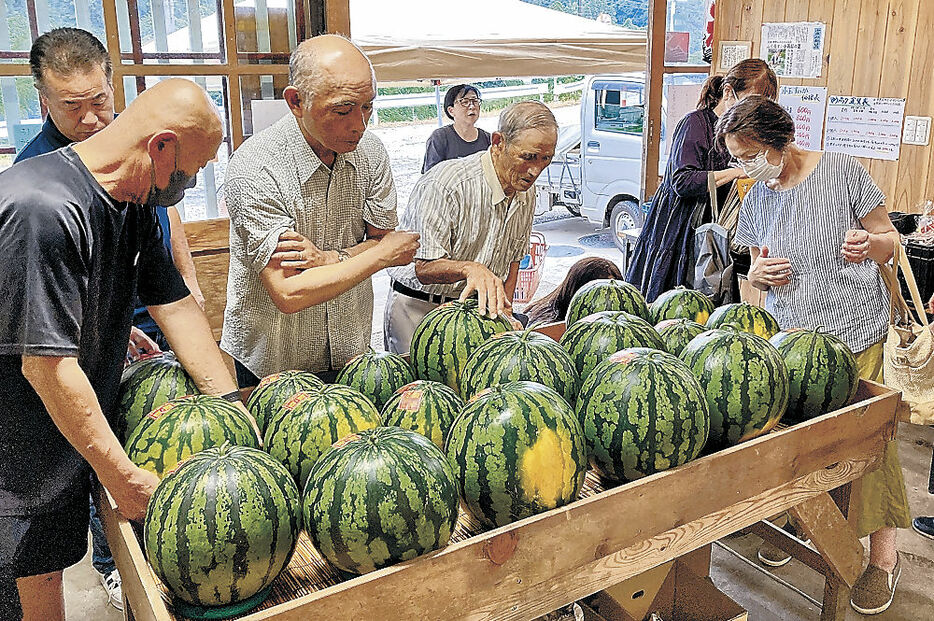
{"points": [[78, 239]]}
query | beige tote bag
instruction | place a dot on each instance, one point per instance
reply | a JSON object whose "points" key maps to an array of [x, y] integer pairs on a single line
{"points": [[909, 347]]}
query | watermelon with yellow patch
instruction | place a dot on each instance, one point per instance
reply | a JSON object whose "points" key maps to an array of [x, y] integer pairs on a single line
{"points": [[517, 449], [745, 317], [681, 303]]}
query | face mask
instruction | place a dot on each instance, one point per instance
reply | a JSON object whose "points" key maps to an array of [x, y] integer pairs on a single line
{"points": [[760, 169], [174, 192]]}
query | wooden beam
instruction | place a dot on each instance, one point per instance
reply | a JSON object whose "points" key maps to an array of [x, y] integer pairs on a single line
{"points": [[211, 69], [14, 70], [654, 71], [112, 32], [832, 535], [337, 16]]}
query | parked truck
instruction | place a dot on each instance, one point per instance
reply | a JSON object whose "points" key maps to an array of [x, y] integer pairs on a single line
{"points": [[597, 169]]}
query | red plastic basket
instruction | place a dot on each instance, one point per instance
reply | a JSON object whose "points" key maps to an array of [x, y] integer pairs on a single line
{"points": [[530, 276]]}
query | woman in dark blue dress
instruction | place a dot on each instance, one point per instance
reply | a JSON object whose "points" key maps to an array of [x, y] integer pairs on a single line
{"points": [[661, 259]]}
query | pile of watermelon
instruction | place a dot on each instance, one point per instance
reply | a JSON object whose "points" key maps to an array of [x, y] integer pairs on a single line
{"points": [[378, 463]]}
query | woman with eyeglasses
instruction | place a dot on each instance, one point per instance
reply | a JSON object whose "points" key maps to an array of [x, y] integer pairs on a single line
{"points": [[463, 137], [818, 229], [661, 258]]}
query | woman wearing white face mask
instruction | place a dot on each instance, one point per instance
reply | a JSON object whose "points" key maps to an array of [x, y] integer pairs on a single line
{"points": [[817, 228], [660, 260]]}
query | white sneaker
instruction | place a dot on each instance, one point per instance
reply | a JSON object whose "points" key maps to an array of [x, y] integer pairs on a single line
{"points": [[114, 588]]}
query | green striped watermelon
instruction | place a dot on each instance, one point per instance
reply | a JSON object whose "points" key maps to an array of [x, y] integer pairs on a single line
{"points": [[221, 527], [310, 422], [681, 303], [593, 338], [746, 317], [822, 372], [145, 385], [745, 381], [377, 375], [379, 497], [182, 427], [606, 294], [643, 411], [520, 355], [446, 338], [425, 407], [274, 390], [517, 449], [677, 333]]}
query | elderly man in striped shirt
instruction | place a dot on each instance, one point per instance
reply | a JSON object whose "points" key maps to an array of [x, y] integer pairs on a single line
{"points": [[474, 216]]}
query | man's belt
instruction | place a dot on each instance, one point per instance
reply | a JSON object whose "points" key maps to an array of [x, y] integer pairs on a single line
{"points": [[432, 298]]}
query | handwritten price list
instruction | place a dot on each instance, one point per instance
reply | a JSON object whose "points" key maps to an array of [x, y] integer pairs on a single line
{"points": [[865, 126]]}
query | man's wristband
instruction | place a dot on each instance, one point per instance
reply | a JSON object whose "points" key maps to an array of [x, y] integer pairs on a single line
{"points": [[233, 396]]}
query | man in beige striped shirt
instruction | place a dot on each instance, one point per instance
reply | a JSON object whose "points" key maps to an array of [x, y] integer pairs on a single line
{"points": [[474, 216]]}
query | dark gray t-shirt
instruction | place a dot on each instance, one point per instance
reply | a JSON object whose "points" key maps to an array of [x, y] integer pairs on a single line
{"points": [[445, 144], [70, 261]]}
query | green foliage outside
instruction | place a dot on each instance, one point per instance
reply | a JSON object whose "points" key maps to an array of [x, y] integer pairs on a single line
{"points": [[429, 112]]}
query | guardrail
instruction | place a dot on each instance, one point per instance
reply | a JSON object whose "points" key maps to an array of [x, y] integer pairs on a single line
{"points": [[428, 98]]}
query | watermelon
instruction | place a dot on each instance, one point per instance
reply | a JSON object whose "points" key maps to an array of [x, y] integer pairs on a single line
{"points": [[377, 375], [822, 372], [593, 338], [677, 333], [425, 407], [221, 527], [520, 355], [746, 317], [379, 497], [274, 390], [642, 411], [606, 294], [310, 422], [681, 303], [517, 449], [145, 385], [745, 381], [182, 427], [446, 338]]}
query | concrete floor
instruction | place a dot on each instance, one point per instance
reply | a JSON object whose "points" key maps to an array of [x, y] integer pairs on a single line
{"points": [[765, 599]]}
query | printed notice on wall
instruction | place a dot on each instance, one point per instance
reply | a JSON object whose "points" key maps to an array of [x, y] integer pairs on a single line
{"points": [[806, 106], [864, 126], [794, 50]]}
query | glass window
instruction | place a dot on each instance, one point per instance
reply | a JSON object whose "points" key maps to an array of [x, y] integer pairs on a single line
{"points": [[619, 109], [20, 117], [170, 31]]}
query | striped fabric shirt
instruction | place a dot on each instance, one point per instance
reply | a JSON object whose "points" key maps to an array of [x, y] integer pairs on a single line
{"points": [[462, 214], [276, 182], [807, 224]]}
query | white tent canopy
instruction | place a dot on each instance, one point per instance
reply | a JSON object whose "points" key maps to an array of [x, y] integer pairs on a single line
{"points": [[423, 39], [415, 39]]}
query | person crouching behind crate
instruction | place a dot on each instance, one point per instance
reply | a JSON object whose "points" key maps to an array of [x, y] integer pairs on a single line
{"points": [[554, 306], [474, 216]]}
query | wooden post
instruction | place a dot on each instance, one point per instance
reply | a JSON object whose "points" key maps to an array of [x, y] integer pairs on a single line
{"points": [[337, 16], [654, 77]]}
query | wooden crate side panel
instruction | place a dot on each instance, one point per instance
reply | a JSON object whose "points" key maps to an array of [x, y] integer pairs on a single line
{"points": [[587, 546]]}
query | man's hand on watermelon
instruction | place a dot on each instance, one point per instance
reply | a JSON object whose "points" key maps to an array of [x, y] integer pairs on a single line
{"points": [[492, 299], [140, 345]]}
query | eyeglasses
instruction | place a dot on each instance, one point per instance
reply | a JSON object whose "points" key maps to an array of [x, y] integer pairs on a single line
{"points": [[467, 102]]}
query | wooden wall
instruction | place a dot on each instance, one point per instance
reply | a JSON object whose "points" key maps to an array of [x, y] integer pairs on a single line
{"points": [[873, 48]]}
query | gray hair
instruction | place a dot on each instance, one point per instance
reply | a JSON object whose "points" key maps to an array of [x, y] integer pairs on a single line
{"points": [[306, 72], [524, 115], [66, 50]]}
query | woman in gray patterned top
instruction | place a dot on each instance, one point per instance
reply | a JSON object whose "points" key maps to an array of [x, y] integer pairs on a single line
{"points": [[818, 229]]}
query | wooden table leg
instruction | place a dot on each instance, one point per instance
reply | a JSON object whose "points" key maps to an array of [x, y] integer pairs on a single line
{"points": [[836, 598], [832, 535]]}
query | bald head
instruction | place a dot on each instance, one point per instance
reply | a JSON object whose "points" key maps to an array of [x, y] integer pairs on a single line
{"points": [[317, 62], [169, 131]]}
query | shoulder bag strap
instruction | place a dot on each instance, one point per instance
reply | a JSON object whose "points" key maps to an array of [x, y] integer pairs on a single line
{"points": [[916, 300]]}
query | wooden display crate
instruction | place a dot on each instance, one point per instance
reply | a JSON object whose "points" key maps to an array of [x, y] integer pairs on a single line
{"points": [[535, 565]]}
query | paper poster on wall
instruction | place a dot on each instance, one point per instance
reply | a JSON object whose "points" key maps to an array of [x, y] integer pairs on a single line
{"points": [[680, 99], [864, 126], [806, 106], [732, 52], [794, 50]]}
